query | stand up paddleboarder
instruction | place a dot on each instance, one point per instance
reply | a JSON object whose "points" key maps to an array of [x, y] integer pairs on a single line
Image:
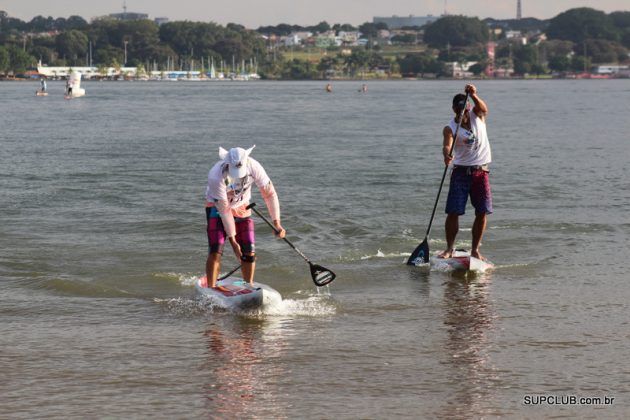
{"points": [[227, 196], [470, 176]]}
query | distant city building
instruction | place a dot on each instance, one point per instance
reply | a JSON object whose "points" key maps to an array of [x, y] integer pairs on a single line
{"points": [[611, 69], [161, 20], [397, 22]]}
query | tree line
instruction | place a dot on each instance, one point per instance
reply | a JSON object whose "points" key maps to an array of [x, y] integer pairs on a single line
{"points": [[573, 40]]}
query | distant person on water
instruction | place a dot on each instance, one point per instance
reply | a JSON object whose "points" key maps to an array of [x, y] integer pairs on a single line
{"points": [[328, 87], [470, 175], [43, 83], [228, 194]]}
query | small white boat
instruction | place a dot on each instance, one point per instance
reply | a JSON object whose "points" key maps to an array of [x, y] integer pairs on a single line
{"points": [[73, 87]]}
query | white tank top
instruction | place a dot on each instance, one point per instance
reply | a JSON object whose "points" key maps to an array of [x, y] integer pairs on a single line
{"points": [[472, 147]]}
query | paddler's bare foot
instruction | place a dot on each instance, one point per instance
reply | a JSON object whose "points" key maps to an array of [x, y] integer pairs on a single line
{"points": [[478, 255], [447, 253]]}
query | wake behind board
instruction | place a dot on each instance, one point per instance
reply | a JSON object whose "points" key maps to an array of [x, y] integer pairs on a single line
{"points": [[460, 261], [236, 293]]}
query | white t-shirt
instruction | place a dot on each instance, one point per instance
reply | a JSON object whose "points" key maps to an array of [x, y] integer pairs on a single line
{"points": [[236, 192], [472, 147]]}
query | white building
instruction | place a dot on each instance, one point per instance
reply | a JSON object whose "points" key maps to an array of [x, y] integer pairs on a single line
{"points": [[87, 72], [459, 70]]}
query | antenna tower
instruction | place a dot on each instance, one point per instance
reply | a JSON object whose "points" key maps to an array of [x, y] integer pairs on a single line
{"points": [[445, 7], [519, 15]]}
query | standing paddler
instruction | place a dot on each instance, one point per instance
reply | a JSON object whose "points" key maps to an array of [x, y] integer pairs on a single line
{"points": [[470, 176], [227, 196]]}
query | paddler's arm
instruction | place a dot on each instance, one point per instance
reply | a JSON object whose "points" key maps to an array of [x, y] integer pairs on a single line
{"points": [[480, 109], [447, 144], [270, 196], [229, 225]]}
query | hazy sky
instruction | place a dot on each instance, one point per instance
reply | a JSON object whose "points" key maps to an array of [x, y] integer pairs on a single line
{"points": [[254, 13]]}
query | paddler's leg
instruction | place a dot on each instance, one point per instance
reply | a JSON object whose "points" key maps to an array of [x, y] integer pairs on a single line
{"points": [[478, 228], [213, 265], [216, 241], [455, 206], [246, 239], [481, 199], [248, 266], [451, 227]]}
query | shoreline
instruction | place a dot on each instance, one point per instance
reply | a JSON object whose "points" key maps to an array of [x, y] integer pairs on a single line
{"points": [[388, 79]]}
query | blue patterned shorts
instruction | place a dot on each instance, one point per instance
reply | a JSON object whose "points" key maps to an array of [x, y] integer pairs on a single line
{"points": [[473, 183]]}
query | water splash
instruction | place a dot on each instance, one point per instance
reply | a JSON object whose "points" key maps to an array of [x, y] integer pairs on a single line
{"points": [[381, 254], [303, 303]]}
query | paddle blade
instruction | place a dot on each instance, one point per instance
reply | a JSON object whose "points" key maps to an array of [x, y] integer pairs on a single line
{"points": [[321, 276], [420, 255]]}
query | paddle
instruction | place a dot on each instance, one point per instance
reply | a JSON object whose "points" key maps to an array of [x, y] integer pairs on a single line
{"points": [[321, 275], [225, 276], [420, 255]]}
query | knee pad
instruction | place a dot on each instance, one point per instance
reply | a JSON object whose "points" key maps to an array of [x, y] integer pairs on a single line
{"points": [[248, 258]]}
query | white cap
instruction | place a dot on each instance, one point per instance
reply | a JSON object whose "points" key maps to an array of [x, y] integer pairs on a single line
{"points": [[236, 159]]}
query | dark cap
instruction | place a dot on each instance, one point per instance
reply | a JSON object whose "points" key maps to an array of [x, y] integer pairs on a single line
{"points": [[459, 102]]}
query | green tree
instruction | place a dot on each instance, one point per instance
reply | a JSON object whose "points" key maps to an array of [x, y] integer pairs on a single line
{"points": [[346, 27], [419, 64], [329, 63], [559, 63], [41, 24], [406, 39], [525, 58], [580, 24], [368, 30], [72, 44], [621, 20], [142, 40], [456, 31], [580, 63], [76, 22], [321, 27], [5, 60], [108, 55], [477, 68], [20, 60], [299, 70], [357, 61], [603, 51]]}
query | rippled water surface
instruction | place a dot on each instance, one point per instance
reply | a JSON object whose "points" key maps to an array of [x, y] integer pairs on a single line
{"points": [[102, 236]]}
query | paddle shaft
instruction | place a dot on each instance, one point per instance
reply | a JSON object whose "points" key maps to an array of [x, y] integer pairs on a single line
{"points": [[251, 206], [450, 154], [225, 276]]}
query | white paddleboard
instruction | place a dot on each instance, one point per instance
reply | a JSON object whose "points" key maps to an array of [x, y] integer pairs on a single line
{"points": [[461, 261], [236, 293]]}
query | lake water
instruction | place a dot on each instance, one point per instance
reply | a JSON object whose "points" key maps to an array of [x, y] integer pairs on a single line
{"points": [[102, 235]]}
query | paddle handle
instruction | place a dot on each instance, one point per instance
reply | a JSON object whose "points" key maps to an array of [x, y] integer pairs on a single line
{"points": [[253, 207], [450, 154]]}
